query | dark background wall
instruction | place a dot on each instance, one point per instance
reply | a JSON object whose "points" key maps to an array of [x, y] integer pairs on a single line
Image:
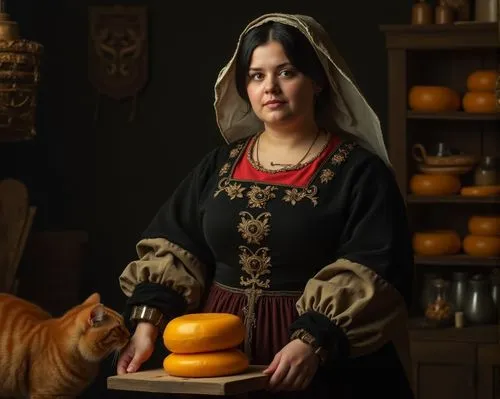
{"points": [[108, 176]]}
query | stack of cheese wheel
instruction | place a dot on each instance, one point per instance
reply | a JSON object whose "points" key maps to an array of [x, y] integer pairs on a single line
{"points": [[484, 236], [480, 96], [436, 242], [204, 345]]}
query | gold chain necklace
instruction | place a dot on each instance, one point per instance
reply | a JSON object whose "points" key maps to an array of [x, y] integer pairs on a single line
{"points": [[285, 166]]}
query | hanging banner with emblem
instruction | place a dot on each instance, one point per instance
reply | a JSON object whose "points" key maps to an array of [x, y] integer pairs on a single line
{"points": [[118, 52]]}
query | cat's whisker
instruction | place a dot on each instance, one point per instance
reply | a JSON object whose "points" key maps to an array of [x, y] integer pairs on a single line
{"points": [[116, 355]]}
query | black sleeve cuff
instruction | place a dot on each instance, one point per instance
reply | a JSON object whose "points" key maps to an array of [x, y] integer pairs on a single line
{"points": [[165, 299], [326, 333]]}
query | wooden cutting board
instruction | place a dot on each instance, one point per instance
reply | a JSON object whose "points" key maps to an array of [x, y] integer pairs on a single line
{"points": [[159, 381]]}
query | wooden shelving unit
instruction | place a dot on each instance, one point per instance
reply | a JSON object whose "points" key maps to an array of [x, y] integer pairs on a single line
{"points": [[458, 116], [473, 334], [457, 260], [441, 37], [452, 199], [447, 362]]}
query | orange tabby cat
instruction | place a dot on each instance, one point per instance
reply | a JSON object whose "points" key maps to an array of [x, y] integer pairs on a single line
{"points": [[46, 357]]}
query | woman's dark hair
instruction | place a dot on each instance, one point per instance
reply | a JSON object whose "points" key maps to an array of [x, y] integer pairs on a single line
{"points": [[297, 48]]}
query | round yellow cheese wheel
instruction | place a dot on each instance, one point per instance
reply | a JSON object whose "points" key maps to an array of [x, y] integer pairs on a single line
{"points": [[487, 246], [203, 332], [480, 191], [484, 225], [211, 364], [435, 243]]}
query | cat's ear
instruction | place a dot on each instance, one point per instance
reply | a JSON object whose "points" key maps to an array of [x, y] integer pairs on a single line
{"points": [[97, 315], [94, 298]]}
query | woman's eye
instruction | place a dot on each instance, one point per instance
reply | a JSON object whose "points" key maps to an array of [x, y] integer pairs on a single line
{"points": [[256, 76], [287, 73]]}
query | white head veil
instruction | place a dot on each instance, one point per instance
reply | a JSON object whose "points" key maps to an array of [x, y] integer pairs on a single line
{"points": [[347, 110]]}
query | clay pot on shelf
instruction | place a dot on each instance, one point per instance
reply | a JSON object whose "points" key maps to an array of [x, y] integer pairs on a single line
{"points": [[434, 184], [442, 156], [421, 13], [433, 99], [436, 242], [443, 13]]}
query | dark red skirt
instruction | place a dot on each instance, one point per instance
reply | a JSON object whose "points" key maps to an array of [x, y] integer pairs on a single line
{"points": [[274, 312]]}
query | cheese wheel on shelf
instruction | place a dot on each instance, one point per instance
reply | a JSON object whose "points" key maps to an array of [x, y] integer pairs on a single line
{"points": [[482, 246], [480, 191], [210, 364], [203, 332], [484, 225], [482, 80]]}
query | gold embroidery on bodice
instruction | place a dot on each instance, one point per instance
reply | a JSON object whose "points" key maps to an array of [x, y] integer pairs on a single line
{"points": [[254, 225]]}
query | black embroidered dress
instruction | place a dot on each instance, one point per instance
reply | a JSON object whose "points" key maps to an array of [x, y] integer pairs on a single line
{"points": [[261, 245]]}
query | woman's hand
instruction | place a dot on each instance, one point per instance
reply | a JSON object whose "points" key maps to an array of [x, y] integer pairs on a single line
{"points": [[139, 349], [293, 367]]}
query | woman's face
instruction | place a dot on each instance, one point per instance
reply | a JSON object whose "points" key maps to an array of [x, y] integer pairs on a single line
{"points": [[279, 94]]}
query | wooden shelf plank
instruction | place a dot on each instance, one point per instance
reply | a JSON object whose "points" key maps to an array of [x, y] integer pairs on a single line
{"points": [[421, 331], [458, 115], [441, 28], [439, 37], [457, 260], [452, 199]]}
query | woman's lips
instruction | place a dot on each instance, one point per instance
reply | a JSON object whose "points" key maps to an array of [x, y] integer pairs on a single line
{"points": [[273, 104]]}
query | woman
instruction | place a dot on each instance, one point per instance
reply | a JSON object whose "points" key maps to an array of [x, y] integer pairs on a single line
{"points": [[297, 226]]}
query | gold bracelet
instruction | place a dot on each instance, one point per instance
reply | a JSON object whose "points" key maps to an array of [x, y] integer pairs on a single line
{"points": [[147, 314], [309, 339]]}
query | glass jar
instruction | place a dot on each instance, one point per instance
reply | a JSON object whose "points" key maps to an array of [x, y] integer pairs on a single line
{"points": [[480, 307], [486, 172], [459, 290], [440, 312], [427, 293], [495, 290]]}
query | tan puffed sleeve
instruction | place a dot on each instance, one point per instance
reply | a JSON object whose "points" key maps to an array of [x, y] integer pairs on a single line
{"points": [[369, 310], [163, 262]]}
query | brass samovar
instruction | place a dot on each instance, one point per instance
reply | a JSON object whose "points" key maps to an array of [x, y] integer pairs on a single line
{"points": [[19, 79]]}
